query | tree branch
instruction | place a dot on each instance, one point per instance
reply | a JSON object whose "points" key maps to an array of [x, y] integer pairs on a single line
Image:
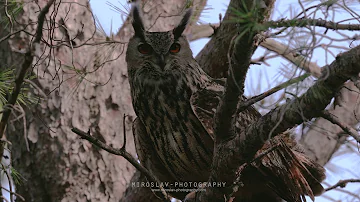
{"points": [[239, 56], [19, 79], [348, 129], [247, 103], [122, 152], [231, 154], [308, 106], [342, 184], [202, 31], [303, 22], [289, 54], [346, 109], [213, 57]]}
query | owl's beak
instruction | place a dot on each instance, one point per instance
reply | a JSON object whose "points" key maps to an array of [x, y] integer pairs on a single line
{"points": [[161, 61]]}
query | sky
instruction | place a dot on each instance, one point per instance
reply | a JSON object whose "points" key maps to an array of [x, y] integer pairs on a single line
{"points": [[260, 77]]}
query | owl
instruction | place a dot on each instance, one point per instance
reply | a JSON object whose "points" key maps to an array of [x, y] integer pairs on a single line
{"points": [[175, 102]]}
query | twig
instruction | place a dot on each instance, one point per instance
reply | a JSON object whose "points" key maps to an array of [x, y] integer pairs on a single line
{"points": [[303, 22], [348, 129], [2, 197], [40, 91], [25, 66], [9, 180], [242, 106], [9, 35], [8, 16], [121, 152], [342, 184], [13, 193], [124, 132]]}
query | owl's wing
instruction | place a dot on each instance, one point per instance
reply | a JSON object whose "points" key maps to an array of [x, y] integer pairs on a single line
{"points": [[204, 103]]}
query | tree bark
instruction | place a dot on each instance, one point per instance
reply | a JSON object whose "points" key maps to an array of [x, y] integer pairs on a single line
{"points": [[58, 165]]}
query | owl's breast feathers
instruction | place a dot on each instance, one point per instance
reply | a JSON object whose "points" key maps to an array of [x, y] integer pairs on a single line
{"points": [[178, 137]]}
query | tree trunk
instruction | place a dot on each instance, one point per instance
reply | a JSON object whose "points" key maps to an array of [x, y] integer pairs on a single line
{"points": [[58, 165]]}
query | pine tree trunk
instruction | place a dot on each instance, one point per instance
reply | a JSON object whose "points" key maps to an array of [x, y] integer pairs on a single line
{"points": [[59, 166]]}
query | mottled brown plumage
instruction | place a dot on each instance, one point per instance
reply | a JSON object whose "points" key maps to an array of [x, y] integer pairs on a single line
{"points": [[175, 101]]}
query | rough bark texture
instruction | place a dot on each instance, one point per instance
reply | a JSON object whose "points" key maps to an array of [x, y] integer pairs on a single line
{"points": [[59, 166]]}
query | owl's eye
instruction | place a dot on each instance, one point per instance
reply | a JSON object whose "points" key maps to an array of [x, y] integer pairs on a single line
{"points": [[175, 48], [144, 48]]}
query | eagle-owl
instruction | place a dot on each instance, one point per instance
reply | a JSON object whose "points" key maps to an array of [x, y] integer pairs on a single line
{"points": [[175, 101]]}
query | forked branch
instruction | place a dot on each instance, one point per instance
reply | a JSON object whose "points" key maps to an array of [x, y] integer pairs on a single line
{"points": [[348, 129], [122, 152]]}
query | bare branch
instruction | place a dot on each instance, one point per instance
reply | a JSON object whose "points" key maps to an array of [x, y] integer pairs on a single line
{"points": [[122, 152], [19, 80], [13, 193], [310, 104], [303, 22], [8, 15], [342, 184], [242, 106], [348, 129], [9, 35], [347, 98], [202, 31], [293, 57]]}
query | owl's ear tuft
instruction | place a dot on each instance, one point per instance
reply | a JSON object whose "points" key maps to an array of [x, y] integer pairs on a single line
{"points": [[137, 22], [182, 25]]}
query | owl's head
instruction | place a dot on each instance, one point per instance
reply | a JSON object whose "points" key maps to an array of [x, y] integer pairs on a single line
{"points": [[157, 50]]}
